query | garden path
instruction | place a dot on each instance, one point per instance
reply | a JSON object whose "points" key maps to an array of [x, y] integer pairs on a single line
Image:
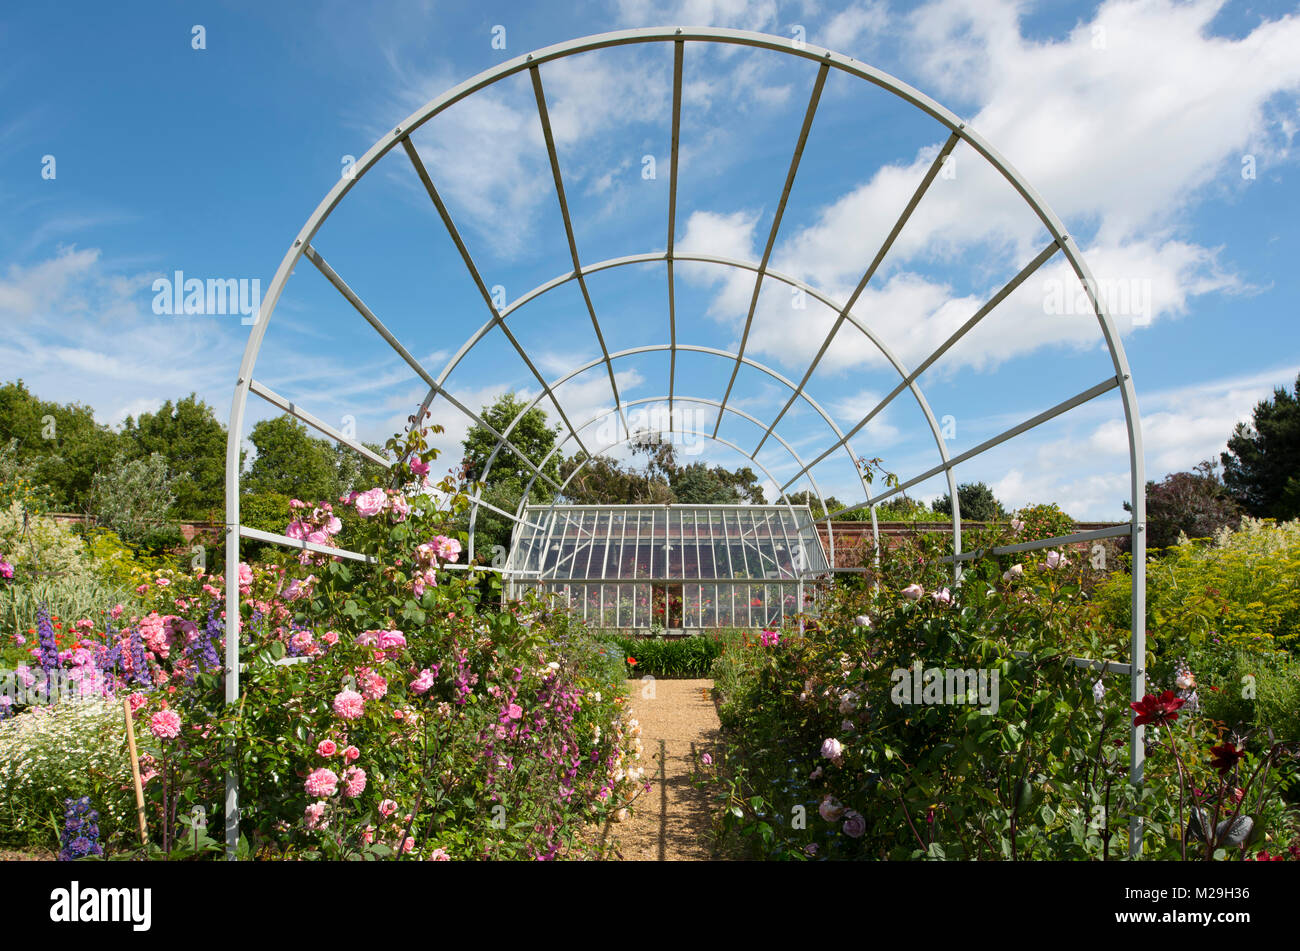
{"points": [[671, 821]]}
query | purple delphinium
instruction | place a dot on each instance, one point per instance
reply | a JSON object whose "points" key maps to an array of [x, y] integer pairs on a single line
{"points": [[80, 836], [139, 659], [214, 632]]}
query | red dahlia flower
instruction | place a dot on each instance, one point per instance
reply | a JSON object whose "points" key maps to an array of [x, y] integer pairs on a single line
{"points": [[1225, 756], [1158, 710]]}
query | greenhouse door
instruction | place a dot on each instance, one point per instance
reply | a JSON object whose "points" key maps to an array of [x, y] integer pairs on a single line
{"points": [[668, 606]]}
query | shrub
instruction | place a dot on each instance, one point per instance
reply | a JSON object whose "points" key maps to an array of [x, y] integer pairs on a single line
{"points": [[830, 758], [691, 656], [50, 754]]}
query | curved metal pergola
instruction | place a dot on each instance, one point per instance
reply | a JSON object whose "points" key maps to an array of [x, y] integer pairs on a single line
{"points": [[840, 440]]}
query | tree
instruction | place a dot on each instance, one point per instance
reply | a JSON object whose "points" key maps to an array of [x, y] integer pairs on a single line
{"points": [[532, 436], [701, 484], [132, 496], [193, 442], [1193, 503], [291, 462], [58, 446], [978, 503], [1261, 467]]}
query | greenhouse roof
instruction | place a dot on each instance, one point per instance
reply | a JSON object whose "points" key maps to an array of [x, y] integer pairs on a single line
{"points": [[666, 543]]}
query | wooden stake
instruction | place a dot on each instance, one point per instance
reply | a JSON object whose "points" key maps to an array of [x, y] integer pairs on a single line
{"points": [[135, 771]]}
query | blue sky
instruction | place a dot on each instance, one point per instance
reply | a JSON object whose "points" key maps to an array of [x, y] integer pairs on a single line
{"points": [[1160, 132]]}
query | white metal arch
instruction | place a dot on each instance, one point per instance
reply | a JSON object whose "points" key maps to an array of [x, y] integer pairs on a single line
{"points": [[826, 60]]}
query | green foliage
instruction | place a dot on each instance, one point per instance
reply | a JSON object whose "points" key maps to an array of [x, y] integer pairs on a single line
{"points": [[60, 446], [669, 657], [132, 498], [1238, 589], [829, 756], [700, 484], [1042, 521], [1261, 466], [531, 435], [67, 750], [291, 461], [188, 436], [17, 485], [978, 503]]}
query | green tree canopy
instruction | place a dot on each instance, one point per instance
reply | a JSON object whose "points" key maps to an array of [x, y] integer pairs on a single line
{"points": [[58, 445], [291, 462], [532, 436], [193, 442], [1261, 467], [978, 503]]}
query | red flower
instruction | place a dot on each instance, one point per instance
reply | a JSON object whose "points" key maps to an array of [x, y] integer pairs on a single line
{"points": [[1225, 756], [1158, 710], [632, 661]]}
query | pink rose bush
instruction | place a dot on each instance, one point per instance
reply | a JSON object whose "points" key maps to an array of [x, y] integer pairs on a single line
{"points": [[376, 699]]}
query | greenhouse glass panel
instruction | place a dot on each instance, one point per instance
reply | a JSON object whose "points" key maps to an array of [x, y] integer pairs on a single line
{"points": [[671, 567]]}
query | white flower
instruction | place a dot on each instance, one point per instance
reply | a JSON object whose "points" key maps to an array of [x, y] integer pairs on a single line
{"points": [[1015, 571]]}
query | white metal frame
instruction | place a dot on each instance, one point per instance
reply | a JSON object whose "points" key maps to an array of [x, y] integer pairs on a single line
{"points": [[957, 132]]}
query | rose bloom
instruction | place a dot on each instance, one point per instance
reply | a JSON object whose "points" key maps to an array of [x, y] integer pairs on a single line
{"points": [[862, 621], [439, 855], [313, 814], [1015, 571], [422, 683], [330, 637], [349, 705], [374, 686], [387, 808], [137, 701], [354, 782], [942, 596], [913, 592], [830, 810], [327, 748], [389, 640], [1055, 560], [400, 508], [832, 748], [165, 724], [351, 754], [854, 825], [322, 782], [448, 549], [371, 502]]}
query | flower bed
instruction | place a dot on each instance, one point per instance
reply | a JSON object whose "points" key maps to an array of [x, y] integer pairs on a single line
{"points": [[385, 709], [926, 721]]}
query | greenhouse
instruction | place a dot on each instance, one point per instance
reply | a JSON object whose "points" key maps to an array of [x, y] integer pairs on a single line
{"points": [[671, 567]]}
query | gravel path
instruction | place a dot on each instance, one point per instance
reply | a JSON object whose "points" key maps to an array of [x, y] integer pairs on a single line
{"points": [[672, 821]]}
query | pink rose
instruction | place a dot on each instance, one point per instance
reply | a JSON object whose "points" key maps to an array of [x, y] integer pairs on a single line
{"points": [[322, 782], [330, 637], [854, 825], [389, 640], [351, 754], [422, 683], [313, 815], [137, 701], [830, 810], [913, 592], [374, 686], [399, 508], [448, 549], [354, 782], [371, 502], [349, 705], [387, 808], [942, 596], [165, 724], [832, 748], [327, 748], [439, 855]]}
